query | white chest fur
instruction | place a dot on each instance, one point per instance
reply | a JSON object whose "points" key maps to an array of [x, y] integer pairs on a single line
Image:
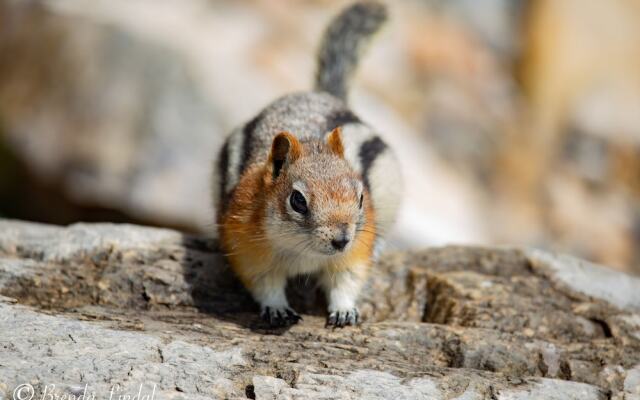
{"points": [[298, 264]]}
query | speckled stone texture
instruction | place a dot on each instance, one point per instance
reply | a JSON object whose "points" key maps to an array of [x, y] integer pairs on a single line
{"points": [[114, 307]]}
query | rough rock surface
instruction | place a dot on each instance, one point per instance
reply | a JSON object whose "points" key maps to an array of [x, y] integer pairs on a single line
{"points": [[96, 309]]}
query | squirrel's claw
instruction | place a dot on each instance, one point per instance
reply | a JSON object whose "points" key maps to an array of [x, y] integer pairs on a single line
{"points": [[280, 316], [343, 318]]}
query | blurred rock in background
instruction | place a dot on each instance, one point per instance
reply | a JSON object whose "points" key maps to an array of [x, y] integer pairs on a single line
{"points": [[580, 73], [516, 121]]}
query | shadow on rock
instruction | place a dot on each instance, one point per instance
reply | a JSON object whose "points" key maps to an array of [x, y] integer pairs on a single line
{"points": [[218, 292]]}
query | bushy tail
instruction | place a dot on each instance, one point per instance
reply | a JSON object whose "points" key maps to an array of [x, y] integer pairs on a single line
{"points": [[343, 43]]}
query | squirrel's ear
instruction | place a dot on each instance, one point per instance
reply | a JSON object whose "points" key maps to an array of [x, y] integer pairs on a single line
{"points": [[285, 147], [334, 141]]}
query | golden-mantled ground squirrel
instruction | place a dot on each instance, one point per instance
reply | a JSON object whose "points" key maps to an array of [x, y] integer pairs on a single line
{"points": [[306, 187]]}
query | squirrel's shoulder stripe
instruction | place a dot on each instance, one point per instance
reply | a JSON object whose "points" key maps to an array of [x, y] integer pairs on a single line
{"points": [[339, 118], [247, 138], [369, 151], [223, 165]]}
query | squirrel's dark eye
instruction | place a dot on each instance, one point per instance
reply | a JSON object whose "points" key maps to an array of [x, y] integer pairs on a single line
{"points": [[361, 199], [298, 202]]}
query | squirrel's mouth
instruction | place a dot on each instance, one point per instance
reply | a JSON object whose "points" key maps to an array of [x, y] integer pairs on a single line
{"points": [[330, 252]]}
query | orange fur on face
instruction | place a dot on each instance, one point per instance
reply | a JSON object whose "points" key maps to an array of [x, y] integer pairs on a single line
{"points": [[249, 252], [242, 227], [360, 254]]}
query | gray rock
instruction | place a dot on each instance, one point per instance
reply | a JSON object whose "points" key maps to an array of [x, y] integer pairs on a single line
{"points": [[56, 354], [151, 312], [589, 279], [268, 388], [632, 384], [554, 390]]}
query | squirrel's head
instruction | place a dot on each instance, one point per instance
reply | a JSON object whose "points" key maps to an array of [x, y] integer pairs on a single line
{"points": [[316, 202]]}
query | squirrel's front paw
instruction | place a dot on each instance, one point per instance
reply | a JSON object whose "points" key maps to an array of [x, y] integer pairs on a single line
{"points": [[342, 318], [280, 316]]}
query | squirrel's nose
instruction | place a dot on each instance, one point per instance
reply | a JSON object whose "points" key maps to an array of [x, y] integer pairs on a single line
{"points": [[340, 244]]}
